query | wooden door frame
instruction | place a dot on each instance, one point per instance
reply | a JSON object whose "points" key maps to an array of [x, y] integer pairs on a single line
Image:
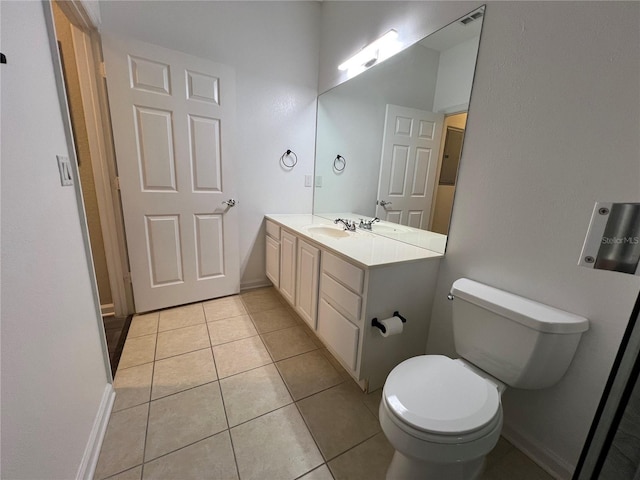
{"points": [[88, 53]]}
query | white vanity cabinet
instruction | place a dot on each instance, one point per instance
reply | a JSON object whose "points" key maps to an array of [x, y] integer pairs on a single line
{"points": [[272, 253], [307, 282], [338, 296], [288, 253]]}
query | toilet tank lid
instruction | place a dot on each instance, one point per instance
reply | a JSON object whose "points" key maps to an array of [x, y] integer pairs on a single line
{"points": [[527, 312]]}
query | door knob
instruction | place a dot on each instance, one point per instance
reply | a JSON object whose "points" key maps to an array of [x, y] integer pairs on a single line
{"points": [[231, 202], [382, 203]]}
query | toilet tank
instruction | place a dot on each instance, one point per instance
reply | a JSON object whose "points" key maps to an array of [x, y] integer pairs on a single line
{"points": [[523, 343]]}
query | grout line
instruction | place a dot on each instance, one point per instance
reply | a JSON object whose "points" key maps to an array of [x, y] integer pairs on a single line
{"points": [[263, 414], [224, 406], [180, 354], [182, 447], [316, 468], [146, 433]]}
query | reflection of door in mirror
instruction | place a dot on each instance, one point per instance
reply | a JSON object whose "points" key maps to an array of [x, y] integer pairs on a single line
{"points": [[408, 166], [453, 135]]}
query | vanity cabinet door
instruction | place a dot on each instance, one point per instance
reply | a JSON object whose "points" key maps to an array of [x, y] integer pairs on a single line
{"points": [[288, 266], [340, 334], [273, 261], [307, 282]]}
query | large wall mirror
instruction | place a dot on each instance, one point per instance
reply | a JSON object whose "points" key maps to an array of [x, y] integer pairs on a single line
{"points": [[389, 140]]}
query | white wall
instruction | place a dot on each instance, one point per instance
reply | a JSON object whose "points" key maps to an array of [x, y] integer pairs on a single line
{"points": [[455, 77], [274, 49], [53, 371], [553, 127]]}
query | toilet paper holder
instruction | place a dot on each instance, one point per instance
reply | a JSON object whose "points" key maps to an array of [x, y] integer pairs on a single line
{"points": [[377, 324]]}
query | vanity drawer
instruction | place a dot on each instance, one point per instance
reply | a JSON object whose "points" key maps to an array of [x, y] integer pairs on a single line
{"points": [[341, 297], [273, 230], [339, 333], [350, 275]]}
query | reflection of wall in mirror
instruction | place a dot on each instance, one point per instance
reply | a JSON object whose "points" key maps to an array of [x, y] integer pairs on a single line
{"points": [[441, 213], [351, 123], [351, 118]]}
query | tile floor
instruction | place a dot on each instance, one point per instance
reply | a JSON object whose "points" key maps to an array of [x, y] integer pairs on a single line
{"points": [[239, 387]]}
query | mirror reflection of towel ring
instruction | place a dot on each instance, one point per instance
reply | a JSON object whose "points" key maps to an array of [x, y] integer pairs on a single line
{"points": [[339, 160], [293, 159]]}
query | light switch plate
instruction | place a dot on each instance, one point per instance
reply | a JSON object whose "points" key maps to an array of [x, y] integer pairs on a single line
{"points": [[64, 166], [307, 180]]}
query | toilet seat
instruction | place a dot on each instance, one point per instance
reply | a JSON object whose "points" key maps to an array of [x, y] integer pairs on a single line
{"points": [[435, 397]]}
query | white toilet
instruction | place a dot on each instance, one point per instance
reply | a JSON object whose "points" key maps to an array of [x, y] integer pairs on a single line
{"points": [[443, 416]]}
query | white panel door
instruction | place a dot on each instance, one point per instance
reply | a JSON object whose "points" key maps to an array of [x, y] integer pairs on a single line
{"points": [[173, 119], [410, 151]]}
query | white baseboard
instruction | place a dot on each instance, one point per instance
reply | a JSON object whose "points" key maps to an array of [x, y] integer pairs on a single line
{"points": [[98, 431], [107, 310], [546, 459], [255, 284]]}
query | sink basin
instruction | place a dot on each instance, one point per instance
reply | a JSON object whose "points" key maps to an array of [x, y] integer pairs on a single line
{"points": [[328, 231]]}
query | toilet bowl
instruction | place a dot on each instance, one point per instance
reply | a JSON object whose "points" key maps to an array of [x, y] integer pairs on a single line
{"points": [[442, 426], [443, 415]]}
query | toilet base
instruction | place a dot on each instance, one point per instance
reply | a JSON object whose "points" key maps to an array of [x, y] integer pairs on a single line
{"points": [[405, 468]]}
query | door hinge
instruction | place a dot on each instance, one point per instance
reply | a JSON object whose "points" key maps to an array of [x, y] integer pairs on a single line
{"points": [[102, 69], [116, 183], [127, 277]]}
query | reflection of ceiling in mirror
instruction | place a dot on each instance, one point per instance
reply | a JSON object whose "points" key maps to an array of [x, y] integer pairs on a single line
{"points": [[452, 35]]}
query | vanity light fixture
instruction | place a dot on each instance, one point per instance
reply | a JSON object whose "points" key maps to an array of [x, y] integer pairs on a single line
{"points": [[375, 52]]}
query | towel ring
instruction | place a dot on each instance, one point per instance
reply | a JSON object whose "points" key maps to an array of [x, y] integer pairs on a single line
{"points": [[289, 154], [337, 161]]}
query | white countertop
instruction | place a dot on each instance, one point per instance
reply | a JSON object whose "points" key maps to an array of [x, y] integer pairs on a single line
{"points": [[365, 248]]}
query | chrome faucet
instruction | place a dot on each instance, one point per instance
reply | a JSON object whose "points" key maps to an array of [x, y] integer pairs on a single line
{"points": [[348, 224], [366, 224]]}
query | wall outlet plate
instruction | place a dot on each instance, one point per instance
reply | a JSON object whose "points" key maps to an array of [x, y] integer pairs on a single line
{"points": [[613, 238], [64, 166]]}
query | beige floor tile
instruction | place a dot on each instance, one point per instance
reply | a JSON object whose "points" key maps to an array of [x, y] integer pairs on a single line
{"points": [[184, 418], [515, 464], [180, 317], [182, 372], [137, 351], [372, 401], [288, 342], [143, 325], [275, 446], [274, 319], [133, 474], [240, 356], [123, 443], [312, 335], [253, 393], [308, 373], [259, 291], [263, 301], [338, 419], [211, 458], [336, 364], [320, 473], [133, 386], [367, 461], [502, 448], [182, 340], [222, 308], [230, 329]]}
